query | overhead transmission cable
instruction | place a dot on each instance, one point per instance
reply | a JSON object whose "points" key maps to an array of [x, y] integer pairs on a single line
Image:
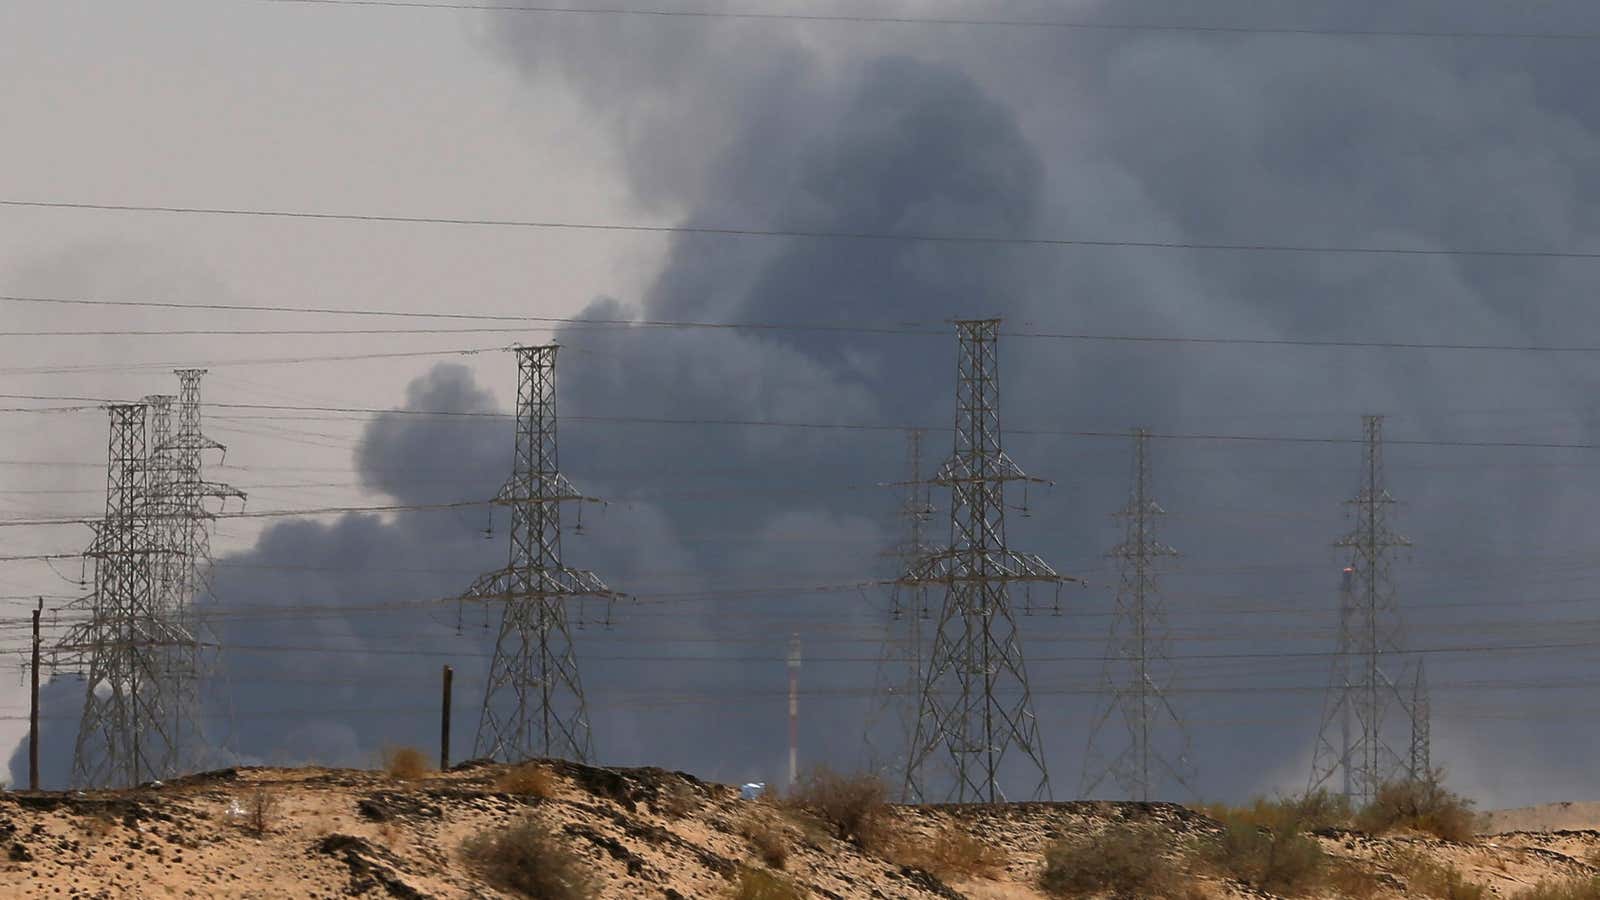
{"points": [[598, 325], [955, 21], [812, 234]]}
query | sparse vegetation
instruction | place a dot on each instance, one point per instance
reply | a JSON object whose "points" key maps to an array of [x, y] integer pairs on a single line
{"points": [[405, 763], [951, 854], [1312, 811], [529, 858], [1268, 848], [769, 842], [1432, 879], [1579, 888], [1349, 880], [1121, 860], [677, 799], [855, 807], [97, 825], [759, 884], [1423, 805], [260, 811], [529, 780]]}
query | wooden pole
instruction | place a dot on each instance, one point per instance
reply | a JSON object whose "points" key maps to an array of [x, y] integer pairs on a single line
{"points": [[33, 707], [444, 722]]}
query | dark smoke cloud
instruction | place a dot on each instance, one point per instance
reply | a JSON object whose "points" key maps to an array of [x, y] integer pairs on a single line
{"points": [[1322, 141], [1118, 135]]}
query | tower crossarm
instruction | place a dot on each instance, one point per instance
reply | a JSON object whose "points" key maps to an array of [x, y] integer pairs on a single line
{"points": [[956, 566], [515, 583]]}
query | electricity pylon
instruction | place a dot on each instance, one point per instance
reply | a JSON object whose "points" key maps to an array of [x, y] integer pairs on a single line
{"points": [[900, 660], [1137, 676], [124, 733], [182, 499], [1368, 677], [975, 705], [139, 641], [533, 703]]}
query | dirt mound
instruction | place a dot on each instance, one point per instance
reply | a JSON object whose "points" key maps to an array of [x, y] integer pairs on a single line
{"points": [[258, 833]]}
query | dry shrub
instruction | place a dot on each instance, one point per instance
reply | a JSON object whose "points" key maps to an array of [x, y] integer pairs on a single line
{"points": [[1585, 887], [769, 842], [1311, 811], [1432, 879], [855, 807], [97, 826], [260, 811], [528, 780], [952, 854], [405, 763], [529, 858], [677, 800], [759, 884], [1349, 880], [1121, 860], [1420, 804], [1272, 853]]}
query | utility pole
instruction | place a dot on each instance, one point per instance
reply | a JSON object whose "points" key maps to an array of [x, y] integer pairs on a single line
{"points": [[33, 705], [1137, 676], [794, 710], [1362, 685], [533, 703], [975, 706], [444, 721]]}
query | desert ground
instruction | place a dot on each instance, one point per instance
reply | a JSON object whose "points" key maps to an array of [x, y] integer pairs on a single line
{"points": [[328, 833]]}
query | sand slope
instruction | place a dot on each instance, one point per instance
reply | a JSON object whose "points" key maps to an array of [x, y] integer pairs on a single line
{"points": [[646, 833]]}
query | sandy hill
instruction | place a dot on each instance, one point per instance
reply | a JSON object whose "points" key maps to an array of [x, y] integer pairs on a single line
{"points": [[1546, 817], [643, 832]]}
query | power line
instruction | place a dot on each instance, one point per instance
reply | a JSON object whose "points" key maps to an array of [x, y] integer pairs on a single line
{"points": [[812, 234], [902, 427], [235, 361], [907, 329], [965, 22]]}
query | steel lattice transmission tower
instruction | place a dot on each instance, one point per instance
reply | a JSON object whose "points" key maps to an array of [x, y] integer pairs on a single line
{"points": [[1137, 677], [898, 678], [123, 734], [975, 706], [533, 704], [1356, 739], [182, 499], [140, 642]]}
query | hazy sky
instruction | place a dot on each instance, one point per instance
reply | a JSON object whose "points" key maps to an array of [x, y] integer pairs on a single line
{"points": [[1119, 134]]}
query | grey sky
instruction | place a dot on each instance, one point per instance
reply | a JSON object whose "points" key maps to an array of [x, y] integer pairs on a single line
{"points": [[1134, 135]]}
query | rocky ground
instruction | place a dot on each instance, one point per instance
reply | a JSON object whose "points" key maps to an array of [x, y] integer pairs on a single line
{"points": [[646, 833]]}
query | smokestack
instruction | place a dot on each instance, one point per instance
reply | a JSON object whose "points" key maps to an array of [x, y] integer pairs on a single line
{"points": [[794, 710]]}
